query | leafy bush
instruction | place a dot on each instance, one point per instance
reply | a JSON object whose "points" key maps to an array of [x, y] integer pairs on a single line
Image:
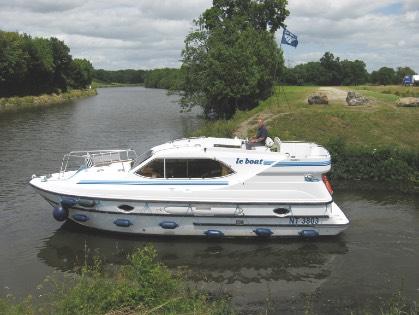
{"points": [[384, 164], [142, 286]]}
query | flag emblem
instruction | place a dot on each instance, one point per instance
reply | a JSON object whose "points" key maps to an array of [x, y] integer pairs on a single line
{"points": [[289, 38]]}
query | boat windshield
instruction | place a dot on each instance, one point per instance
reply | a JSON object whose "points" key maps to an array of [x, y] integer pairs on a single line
{"points": [[143, 157]]}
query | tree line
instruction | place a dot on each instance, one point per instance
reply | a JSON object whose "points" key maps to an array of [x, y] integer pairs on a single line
{"points": [[33, 66], [164, 78], [331, 70], [127, 76]]}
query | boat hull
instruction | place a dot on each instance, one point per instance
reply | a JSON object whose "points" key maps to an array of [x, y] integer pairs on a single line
{"points": [[205, 220]]}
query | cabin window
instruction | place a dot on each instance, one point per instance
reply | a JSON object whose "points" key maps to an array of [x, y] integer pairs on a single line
{"points": [[195, 168], [206, 168], [143, 157], [184, 168], [176, 168], [154, 169]]}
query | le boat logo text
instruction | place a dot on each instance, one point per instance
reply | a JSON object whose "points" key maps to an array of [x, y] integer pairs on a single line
{"points": [[248, 161]]}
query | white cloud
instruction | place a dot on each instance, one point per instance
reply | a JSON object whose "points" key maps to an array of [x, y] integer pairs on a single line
{"points": [[150, 33], [355, 29], [411, 5]]}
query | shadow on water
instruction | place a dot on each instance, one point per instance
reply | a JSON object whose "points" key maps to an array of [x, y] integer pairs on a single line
{"points": [[247, 269], [69, 246]]}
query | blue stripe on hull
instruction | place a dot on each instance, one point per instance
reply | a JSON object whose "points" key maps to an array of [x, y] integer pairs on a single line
{"points": [[286, 164], [169, 183]]}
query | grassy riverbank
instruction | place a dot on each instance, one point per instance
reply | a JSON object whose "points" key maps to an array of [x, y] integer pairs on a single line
{"points": [[397, 90], [143, 286], [374, 142], [16, 103]]}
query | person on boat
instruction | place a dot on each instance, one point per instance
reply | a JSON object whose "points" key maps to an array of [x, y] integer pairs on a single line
{"points": [[261, 134]]}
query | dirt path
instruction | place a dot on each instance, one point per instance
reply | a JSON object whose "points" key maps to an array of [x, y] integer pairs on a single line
{"points": [[334, 94], [241, 131], [250, 123]]}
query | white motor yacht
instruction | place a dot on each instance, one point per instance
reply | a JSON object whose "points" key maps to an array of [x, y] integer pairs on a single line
{"points": [[213, 187]]}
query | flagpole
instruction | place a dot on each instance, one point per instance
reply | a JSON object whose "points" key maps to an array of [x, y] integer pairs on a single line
{"points": [[279, 81]]}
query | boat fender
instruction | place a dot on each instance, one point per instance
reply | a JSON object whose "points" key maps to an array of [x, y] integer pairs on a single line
{"points": [[214, 233], [68, 202], [309, 233], [263, 232], [60, 213], [86, 203], [80, 217], [170, 225], [122, 222]]}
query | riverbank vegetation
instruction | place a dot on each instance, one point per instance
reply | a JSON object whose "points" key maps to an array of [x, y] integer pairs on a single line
{"points": [[35, 66], [15, 103], [143, 286], [166, 78], [118, 77], [375, 142], [331, 70]]}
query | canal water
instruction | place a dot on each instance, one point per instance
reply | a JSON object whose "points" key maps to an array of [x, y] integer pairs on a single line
{"points": [[360, 269]]}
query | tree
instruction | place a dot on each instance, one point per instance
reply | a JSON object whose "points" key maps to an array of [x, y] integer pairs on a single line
{"points": [[32, 66], [402, 72], [333, 75], [13, 63], [231, 60], [62, 63], [260, 15], [40, 66], [129, 76], [81, 73], [354, 72], [383, 76]]}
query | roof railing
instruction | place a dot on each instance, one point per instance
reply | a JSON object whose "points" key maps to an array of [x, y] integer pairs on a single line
{"points": [[85, 159]]}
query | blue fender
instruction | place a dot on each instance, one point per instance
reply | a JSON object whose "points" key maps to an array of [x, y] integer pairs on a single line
{"points": [[309, 233], [122, 222], [170, 225], [263, 232], [80, 217], [214, 233], [68, 202], [60, 213]]}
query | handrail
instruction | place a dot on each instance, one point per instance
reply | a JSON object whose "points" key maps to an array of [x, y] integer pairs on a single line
{"points": [[87, 159]]}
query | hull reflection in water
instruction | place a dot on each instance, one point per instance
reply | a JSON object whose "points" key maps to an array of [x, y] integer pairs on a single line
{"points": [[248, 270]]}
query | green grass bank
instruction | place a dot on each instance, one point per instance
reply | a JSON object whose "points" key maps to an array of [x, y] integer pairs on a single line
{"points": [[143, 286], [17, 103], [375, 142]]}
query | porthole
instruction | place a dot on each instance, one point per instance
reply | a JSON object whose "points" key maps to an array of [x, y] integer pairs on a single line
{"points": [[126, 207], [282, 211]]}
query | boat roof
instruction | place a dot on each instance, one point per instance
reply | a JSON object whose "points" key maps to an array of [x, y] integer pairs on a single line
{"points": [[202, 142], [229, 146]]}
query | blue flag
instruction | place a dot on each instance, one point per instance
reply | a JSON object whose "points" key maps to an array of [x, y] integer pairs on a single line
{"points": [[289, 38]]}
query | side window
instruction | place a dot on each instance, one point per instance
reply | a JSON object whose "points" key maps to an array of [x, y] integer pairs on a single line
{"points": [[176, 168], [206, 168], [154, 169], [184, 168]]}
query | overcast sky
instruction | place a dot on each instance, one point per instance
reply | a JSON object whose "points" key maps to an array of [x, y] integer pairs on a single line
{"points": [[144, 34]]}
